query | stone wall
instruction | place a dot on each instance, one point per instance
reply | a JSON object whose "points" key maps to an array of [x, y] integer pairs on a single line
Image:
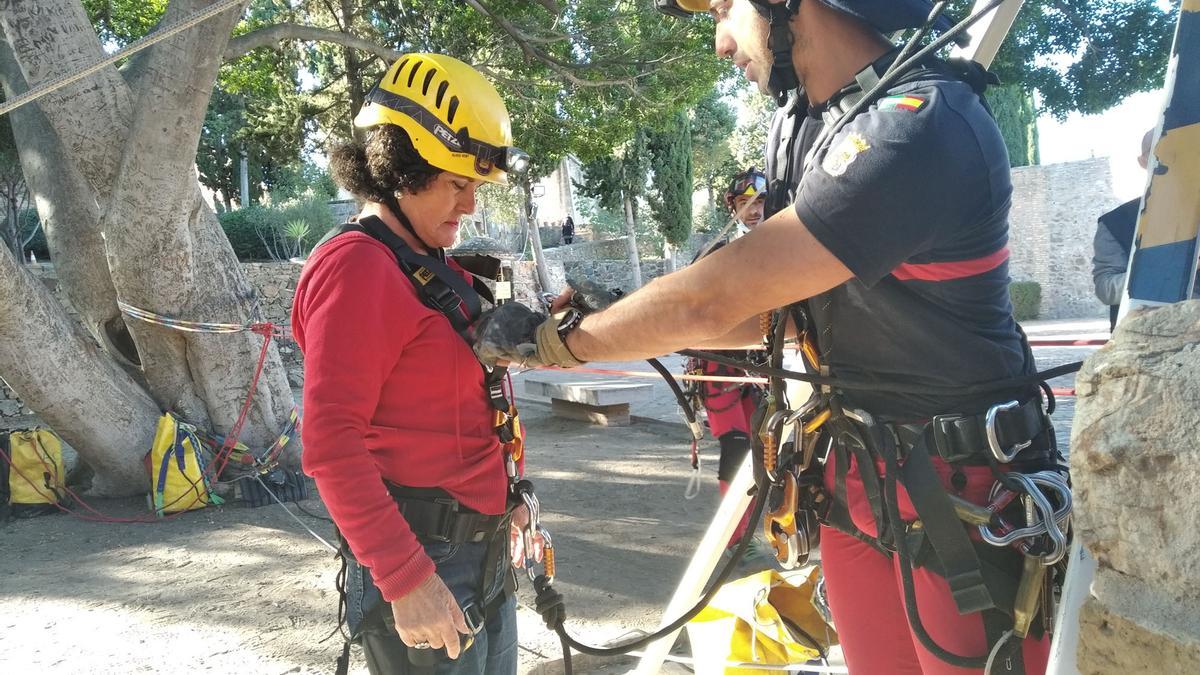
{"points": [[608, 249], [1052, 222], [613, 273]]}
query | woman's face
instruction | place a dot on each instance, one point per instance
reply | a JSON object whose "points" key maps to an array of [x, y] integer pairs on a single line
{"points": [[435, 209]]}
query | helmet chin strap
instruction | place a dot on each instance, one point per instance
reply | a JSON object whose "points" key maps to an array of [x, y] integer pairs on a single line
{"points": [[393, 205], [783, 77]]}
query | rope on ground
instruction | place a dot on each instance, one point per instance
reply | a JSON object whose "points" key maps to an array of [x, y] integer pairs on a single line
{"points": [[150, 40]]}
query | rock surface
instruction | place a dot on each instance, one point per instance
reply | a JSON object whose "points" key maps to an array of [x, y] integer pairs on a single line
{"points": [[1135, 464]]}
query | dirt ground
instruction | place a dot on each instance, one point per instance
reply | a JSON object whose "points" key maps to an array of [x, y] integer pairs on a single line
{"points": [[238, 590]]}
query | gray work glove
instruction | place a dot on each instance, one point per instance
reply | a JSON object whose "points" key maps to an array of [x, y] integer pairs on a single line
{"points": [[512, 332]]}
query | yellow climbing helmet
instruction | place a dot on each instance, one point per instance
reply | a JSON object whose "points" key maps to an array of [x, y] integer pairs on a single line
{"points": [[455, 118], [682, 8]]}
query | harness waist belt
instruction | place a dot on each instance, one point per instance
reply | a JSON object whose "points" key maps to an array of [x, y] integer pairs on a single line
{"points": [[963, 438], [433, 515]]}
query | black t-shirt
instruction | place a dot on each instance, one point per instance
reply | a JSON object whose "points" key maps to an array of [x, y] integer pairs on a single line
{"points": [[913, 197]]}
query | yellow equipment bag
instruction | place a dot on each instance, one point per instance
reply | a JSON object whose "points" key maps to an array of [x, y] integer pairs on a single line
{"points": [[176, 468], [754, 620], [35, 478]]}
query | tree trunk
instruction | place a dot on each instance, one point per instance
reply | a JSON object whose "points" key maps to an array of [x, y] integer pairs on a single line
{"points": [[11, 233], [635, 264], [244, 177], [117, 158], [74, 387], [531, 227]]}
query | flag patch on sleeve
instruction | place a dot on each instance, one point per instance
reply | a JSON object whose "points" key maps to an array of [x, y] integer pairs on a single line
{"points": [[910, 103]]}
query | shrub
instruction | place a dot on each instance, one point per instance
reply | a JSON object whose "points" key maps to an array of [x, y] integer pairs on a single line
{"points": [[1026, 299], [243, 226], [269, 233]]}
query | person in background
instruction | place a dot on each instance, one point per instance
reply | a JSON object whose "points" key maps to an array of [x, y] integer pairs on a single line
{"points": [[1113, 244], [568, 230], [729, 406]]}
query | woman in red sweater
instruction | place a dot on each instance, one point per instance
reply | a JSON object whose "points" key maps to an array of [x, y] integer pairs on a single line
{"points": [[399, 430]]}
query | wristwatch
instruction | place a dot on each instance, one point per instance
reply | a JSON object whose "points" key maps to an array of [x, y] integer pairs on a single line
{"points": [[570, 321]]}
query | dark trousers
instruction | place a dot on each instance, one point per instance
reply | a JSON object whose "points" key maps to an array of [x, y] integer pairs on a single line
{"points": [[461, 568]]}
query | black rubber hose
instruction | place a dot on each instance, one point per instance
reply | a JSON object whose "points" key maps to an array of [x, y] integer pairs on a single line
{"points": [[760, 502], [688, 412]]}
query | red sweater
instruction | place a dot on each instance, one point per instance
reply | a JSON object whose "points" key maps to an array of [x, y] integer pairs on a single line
{"points": [[390, 392]]}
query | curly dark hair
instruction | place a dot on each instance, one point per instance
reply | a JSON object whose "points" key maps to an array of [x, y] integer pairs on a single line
{"points": [[386, 164]]}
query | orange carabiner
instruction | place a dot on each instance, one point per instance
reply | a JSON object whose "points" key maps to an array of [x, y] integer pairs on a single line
{"points": [[779, 524]]}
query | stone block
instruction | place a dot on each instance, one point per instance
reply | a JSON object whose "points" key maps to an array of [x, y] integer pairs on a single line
{"points": [[599, 393], [1135, 467], [603, 415]]}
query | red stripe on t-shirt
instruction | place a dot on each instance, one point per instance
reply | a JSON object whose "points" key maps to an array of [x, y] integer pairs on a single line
{"points": [[945, 271]]}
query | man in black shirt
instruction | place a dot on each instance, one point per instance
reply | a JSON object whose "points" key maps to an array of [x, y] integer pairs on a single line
{"points": [[894, 234]]}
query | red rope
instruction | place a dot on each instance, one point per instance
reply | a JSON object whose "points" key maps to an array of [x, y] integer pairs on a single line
{"points": [[268, 331]]}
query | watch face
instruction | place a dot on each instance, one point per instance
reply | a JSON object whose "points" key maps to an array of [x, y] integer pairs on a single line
{"points": [[570, 320]]}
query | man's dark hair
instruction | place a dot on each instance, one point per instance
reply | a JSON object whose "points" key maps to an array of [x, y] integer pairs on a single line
{"points": [[385, 164]]}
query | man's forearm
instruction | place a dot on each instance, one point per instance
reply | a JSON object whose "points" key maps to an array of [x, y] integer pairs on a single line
{"points": [[662, 317], [714, 296]]}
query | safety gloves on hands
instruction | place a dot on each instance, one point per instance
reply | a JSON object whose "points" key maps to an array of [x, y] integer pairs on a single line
{"points": [[513, 332]]}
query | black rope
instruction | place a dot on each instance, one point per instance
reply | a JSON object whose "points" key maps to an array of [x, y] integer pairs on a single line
{"points": [[680, 397], [928, 389]]}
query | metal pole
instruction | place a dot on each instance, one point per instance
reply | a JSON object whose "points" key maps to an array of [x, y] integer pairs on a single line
{"points": [[708, 553]]}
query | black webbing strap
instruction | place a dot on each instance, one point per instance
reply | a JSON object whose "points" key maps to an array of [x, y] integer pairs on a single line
{"points": [[945, 532], [438, 285]]}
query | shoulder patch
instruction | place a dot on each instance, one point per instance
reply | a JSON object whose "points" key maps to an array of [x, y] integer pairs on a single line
{"points": [[909, 103], [840, 157]]}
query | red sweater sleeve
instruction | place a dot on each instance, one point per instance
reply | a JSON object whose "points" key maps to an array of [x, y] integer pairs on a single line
{"points": [[353, 314]]}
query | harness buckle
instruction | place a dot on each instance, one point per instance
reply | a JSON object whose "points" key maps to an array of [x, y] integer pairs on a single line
{"points": [[944, 434], [993, 439], [445, 526]]}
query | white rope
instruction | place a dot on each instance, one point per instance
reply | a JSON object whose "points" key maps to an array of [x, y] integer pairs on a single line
{"points": [[147, 41], [331, 547]]}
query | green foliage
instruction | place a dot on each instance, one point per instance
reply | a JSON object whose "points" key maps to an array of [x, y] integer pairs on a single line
{"points": [[1017, 119], [242, 227], [277, 233], [713, 124], [1085, 55], [671, 195], [749, 141], [1026, 299]]}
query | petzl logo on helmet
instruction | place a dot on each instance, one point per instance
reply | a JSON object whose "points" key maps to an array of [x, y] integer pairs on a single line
{"points": [[447, 137]]}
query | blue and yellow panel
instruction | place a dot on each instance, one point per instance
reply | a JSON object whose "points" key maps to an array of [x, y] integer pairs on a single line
{"points": [[1164, 258]]}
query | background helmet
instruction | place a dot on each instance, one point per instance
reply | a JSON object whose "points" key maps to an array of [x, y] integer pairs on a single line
{"points": [[455, 118], [751, 182]]}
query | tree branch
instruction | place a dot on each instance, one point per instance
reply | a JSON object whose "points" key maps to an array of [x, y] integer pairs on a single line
{"points": [[564, 69], [271, 36]]}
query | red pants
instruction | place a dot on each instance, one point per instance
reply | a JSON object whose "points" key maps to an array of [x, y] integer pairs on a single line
{"points": [[867, 599]]}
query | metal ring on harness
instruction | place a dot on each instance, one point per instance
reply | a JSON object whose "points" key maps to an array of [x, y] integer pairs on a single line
{"points": [[993, 439]]}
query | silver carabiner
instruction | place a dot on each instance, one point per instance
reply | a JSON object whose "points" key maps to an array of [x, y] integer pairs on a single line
{"points": [[993, 439]]}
